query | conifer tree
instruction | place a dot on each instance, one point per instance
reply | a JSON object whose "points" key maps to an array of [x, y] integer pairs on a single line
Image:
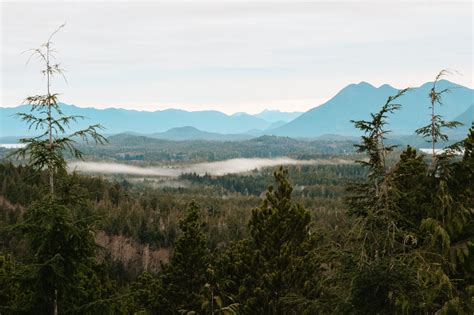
{"points": [[183, 280], [279, 230], [416, 233], [383, 281], [411, 190], [62, 246], [62, 251], [261, 270], [445, 229], [374, 146], [448, 248], [45, 151], [433, 132]]}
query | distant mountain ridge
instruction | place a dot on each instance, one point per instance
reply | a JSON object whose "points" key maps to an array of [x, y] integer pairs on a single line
{"points": [[357, 101], [117, 120], [122, 120], [191, 133], [275, 116], [354, 102]]}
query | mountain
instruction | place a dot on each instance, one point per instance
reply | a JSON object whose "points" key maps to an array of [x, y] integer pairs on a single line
{"points": [[143, 122], [191, 133], [354, 102], [357, 101], [466, 118], [276, 115], [276, 124]]}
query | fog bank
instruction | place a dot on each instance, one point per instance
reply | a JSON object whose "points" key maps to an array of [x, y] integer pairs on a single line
{"points": [[218, 168]]}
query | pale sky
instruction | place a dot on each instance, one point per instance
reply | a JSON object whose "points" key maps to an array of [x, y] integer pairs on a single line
{"points": [[231, 56]]}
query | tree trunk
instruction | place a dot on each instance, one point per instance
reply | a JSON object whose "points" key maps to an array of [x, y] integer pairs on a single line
{"points": [[50, 119], [55, 303]]}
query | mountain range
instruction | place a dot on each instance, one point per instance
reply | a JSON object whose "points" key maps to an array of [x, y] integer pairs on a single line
{"points": [[354, 102], [122, 120], [357, 101], [191, 133]]}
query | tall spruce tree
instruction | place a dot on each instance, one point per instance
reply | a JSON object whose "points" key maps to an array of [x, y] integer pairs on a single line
{"points": [[62, 247], [261, 270], [433, 132], [45, 151], [411, 189], [448, 247], [374, 192], [446, 229], [415, 230], [383, 281], [183, 280]]}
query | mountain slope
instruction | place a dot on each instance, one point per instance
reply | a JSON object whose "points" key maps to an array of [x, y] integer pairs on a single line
{"points": [[354, 102], [466, 118], [357, 101], [276, 115], [276, 124]]}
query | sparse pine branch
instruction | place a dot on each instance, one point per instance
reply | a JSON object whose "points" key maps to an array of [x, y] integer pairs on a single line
{"points": [[46, 151], [91, 132], [33, 121], [374, 136], [433, 132]]}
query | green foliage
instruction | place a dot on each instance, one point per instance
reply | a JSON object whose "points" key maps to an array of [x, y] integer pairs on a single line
{"points": [[126, 147], [62, 252], [143, 294], [403, 244], [265, 267], [184, 278], [414, 226], [384, 289], [449, 244], [389, 260], [57, 274], [378, 233], [364, 196], [433, 132], [46, 149], [373, 142], [411, 189]]}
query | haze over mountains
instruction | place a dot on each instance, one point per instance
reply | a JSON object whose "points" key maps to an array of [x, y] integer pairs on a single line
{"points": [[354, 102]]}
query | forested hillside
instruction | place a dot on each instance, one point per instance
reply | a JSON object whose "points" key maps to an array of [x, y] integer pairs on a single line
{"points": [[226, 158], [391, 234], [131, 147], [180, 249]]}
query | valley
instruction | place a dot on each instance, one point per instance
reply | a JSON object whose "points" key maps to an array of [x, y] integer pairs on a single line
{"points": [[236, 158]]}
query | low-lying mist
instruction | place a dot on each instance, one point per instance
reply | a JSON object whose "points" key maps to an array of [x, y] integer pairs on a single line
{"points": [[218, 168]]}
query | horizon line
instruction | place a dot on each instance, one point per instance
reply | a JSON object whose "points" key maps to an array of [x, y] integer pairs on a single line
{"points": [[213, 107]]}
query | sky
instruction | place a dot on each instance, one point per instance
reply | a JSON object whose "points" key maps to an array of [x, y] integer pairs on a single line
{"points": [[231, 56]]}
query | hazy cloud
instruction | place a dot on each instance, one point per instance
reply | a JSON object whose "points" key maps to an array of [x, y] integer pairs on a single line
{"points": [[232, 56], [218, 168]]}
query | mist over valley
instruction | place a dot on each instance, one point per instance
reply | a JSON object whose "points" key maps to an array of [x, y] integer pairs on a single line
{"points": [[217, 168]]}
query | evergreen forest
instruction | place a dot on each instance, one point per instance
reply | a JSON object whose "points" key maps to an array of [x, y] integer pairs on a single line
{"points": [[389, 232]]}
